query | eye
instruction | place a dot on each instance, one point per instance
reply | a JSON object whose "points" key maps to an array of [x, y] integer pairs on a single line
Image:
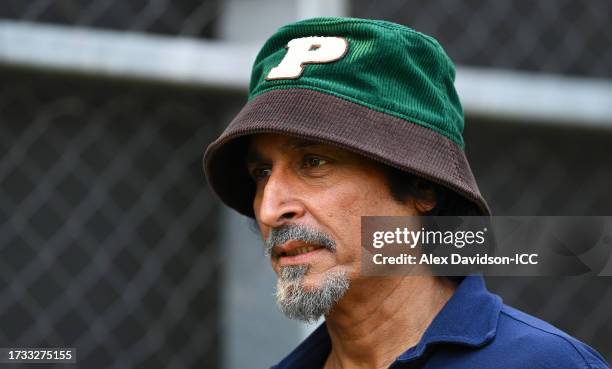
{"points": [[314, 161], [260, 173]]}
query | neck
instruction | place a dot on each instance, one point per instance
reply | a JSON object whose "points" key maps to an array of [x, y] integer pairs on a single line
{"points": [[380, 318]]}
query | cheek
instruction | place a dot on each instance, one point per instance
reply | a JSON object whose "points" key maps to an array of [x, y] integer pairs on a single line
{"points": [[343, 214], [344, 209], [357, 201]]}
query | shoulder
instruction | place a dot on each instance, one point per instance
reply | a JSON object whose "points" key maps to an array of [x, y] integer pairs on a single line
{"points": [[538, 344]]}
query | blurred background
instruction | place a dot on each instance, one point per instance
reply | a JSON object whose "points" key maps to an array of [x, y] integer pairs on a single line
{"points": [[110, 240]]}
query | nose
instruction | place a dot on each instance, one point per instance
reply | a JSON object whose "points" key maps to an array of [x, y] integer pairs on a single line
{"points": [[278, 202]]}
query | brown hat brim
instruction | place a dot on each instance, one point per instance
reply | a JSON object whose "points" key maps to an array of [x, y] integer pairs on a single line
{"points": [[325, 118]]}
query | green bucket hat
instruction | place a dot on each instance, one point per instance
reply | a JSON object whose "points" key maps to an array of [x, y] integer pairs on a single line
{"points": [[376, 88]]}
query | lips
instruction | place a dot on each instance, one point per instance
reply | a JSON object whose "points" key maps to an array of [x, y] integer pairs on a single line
{"points": [[305, 258], [294, 248], [300, 250]]}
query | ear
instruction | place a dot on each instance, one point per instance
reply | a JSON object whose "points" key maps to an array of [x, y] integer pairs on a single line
{"points": [[421, 206], [424, 206], [427, 202]]}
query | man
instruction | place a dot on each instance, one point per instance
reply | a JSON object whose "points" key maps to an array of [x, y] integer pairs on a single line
{"points": [[352, 117]]}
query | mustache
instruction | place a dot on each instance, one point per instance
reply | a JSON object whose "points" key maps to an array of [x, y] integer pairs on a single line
{"points": [[285, 233]]}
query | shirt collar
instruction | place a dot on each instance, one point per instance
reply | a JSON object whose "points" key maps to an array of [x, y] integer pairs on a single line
{"points": [[311, 353], [469, 318]]}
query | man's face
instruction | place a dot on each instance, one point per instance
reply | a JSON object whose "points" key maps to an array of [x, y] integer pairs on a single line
{"points": [[308, 203]]}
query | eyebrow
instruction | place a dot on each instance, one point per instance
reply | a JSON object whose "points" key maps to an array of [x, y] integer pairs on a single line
{"points": [[253, 157]]}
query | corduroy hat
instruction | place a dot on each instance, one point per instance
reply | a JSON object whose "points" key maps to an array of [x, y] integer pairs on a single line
{"points": [[373, 87]]}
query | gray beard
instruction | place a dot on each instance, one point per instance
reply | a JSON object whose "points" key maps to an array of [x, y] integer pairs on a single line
{"points": [[307, 304]]}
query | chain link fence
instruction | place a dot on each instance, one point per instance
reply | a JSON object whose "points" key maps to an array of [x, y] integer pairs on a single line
{"points": [[107, 232], [194, 18], [553, 36], [109, 237], [530, 170]]}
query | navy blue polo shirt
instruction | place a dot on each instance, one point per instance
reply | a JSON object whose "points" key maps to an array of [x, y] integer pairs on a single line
{"points": [[474, 330]]}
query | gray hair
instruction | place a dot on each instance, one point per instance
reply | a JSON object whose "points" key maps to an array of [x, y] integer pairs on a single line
{"points": [[308, 304], [280, 235], [294, 300]]}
